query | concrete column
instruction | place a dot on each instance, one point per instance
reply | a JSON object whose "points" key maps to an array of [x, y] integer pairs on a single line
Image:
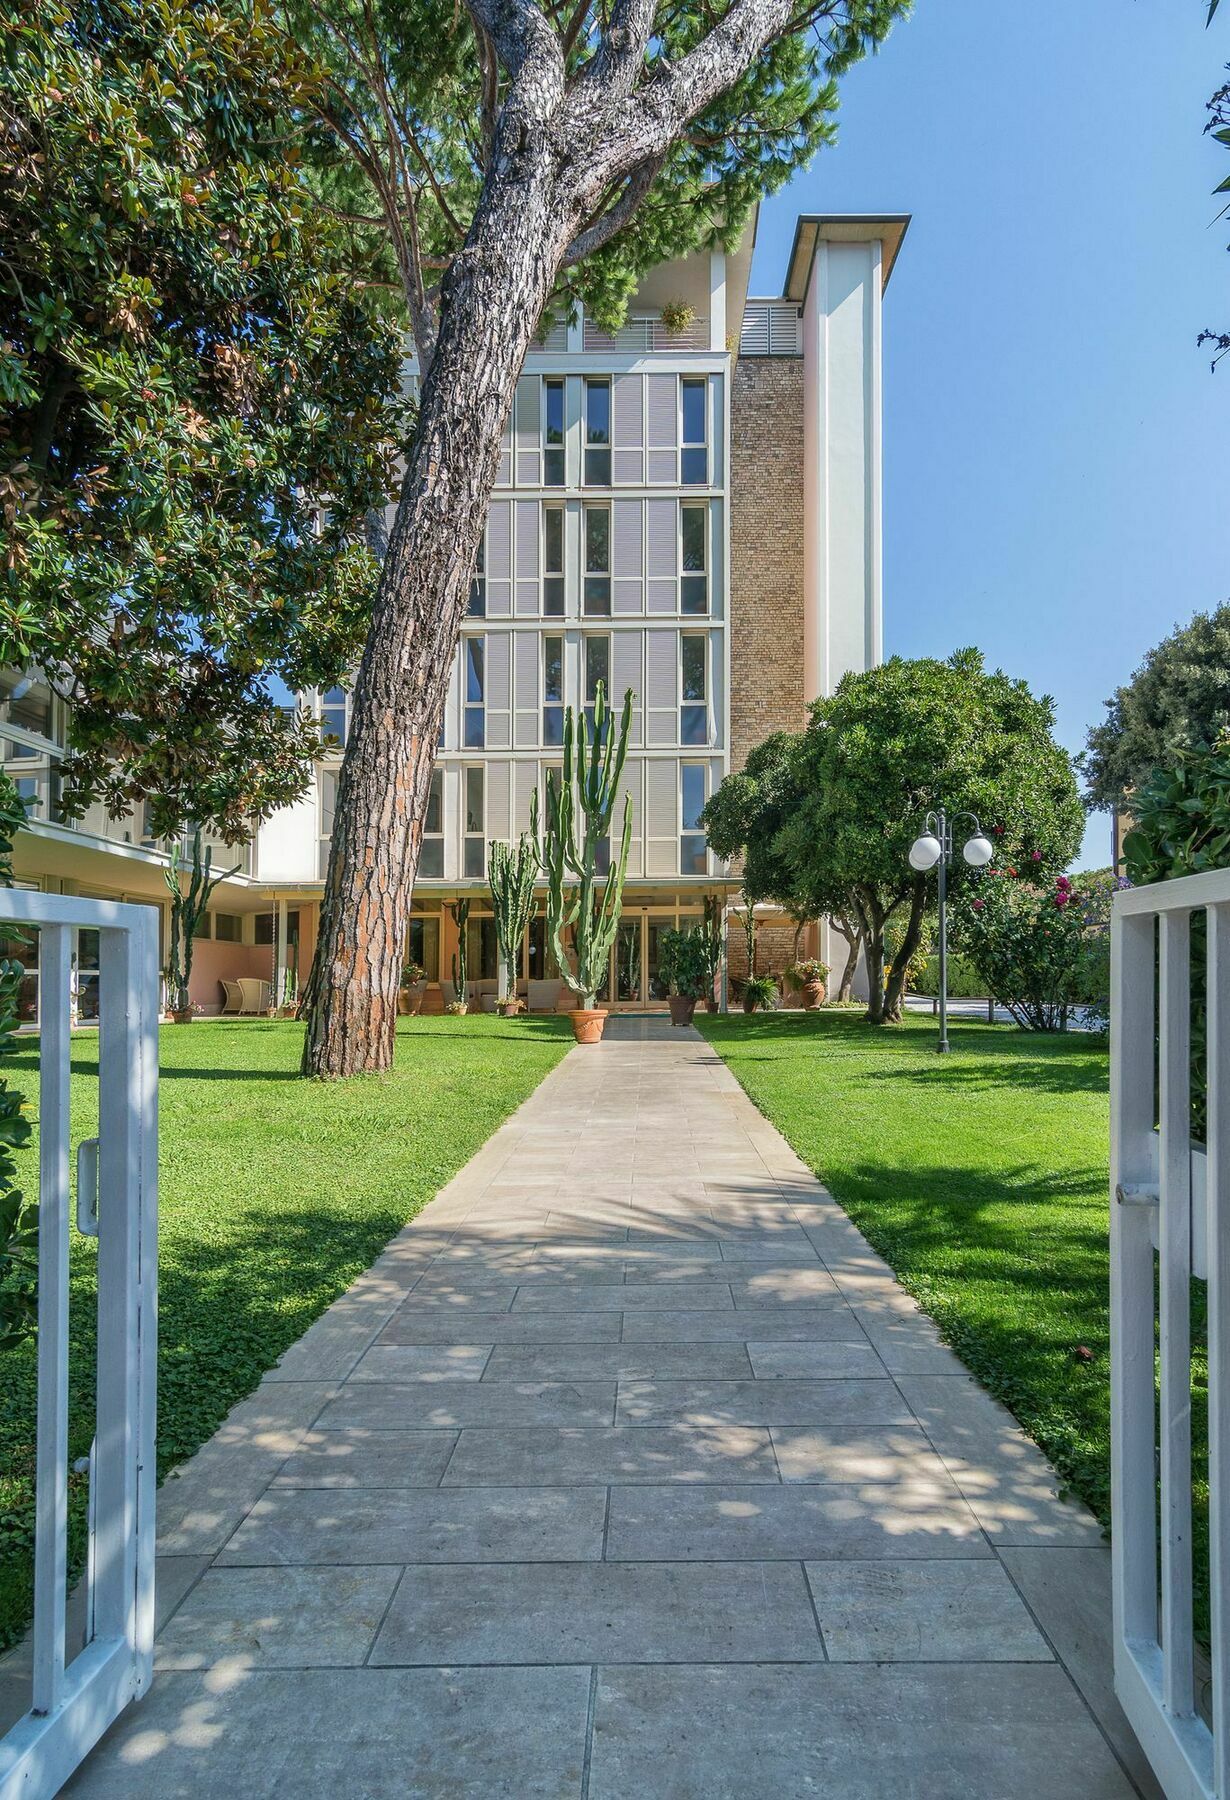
{"points": [[717, 300]]}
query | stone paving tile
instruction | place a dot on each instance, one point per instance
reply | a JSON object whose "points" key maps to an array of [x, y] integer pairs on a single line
{"points": [[430, 1326], [798, 1286], [547, 1296], [437, 1405], [817, 1361], [599, 1362], [896, 1454], [361, 1458], [401, 1525], [349, 1734], [829, 1320], [922, 1612], [848, 1732], [422, 1362], [613, 1454], [277, 1618], [835, 1402], [599, 1612], [732, 1523]]}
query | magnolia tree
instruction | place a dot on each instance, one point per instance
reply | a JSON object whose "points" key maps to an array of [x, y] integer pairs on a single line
{"points": [[509, 157]]}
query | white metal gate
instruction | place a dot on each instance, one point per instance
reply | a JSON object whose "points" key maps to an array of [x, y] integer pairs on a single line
{"points": [[1169, 1196], [74, 1701]]}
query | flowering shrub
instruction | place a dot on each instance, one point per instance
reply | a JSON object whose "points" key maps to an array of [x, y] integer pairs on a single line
{"points": [[1042, 952]]}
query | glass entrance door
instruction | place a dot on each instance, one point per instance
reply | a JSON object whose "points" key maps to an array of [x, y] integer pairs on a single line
{"points": [[628, 961]]}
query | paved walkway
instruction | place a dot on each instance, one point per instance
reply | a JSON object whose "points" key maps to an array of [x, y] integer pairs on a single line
{"points": [[628, 1471]]}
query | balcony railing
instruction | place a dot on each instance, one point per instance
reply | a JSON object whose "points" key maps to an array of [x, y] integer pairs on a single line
{"points": [[645, 333]]}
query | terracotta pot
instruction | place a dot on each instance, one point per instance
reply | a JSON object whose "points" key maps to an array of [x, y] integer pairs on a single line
{"points": [[456, 1009], [588, 1024], [682, 1007], [749, 1005], [812, 995], [184, 1018], [712, 1003], [511, 1007], [410, 999]]}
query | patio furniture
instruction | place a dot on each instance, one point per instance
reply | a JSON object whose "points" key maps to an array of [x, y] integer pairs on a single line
{"points": [[254, 996], [232, 998], [543, 995]]}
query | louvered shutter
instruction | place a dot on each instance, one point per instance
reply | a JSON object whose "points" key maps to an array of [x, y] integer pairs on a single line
{"points": [[504, 472], [525, 695], [627, 430], [661, 817], [662, 556], [499, 690], [525, 785], [499, 559], [528, 545], [634, 784], [498, 798], [627, 654], [662, 410], [527, 415], [627, 556], [662, 687]]}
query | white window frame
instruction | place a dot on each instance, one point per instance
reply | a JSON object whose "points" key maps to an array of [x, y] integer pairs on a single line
{"points": [[469, 706], [703, 508], [478, 582], [588, 382], [705, 701], [588, 574], [469, 836], [549, 382], [554, 507], [436, 792], [686, 831], [554, 702], [686, 444]]}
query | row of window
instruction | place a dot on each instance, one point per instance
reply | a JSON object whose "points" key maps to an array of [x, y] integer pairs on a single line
{"points": [[596, 432], [693, 551], [638, 968], [693, 857]]}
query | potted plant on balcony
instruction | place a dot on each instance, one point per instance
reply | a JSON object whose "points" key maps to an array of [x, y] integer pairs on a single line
{"points": [[808, 977], [413, 987], [188, 908], [511, 874], [459, 911], [682, 965], [579, 812]]}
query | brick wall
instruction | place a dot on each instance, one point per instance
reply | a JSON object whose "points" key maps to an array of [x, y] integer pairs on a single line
{"points": [[766, 551]]}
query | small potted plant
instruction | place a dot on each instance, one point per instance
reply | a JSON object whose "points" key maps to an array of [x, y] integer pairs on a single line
{"points": [[678, 317], [413, 988], [682, 965], [759, 992], [808, 977]]}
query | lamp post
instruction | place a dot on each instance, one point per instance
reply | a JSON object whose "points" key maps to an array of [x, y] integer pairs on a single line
{"points": [[934, 848]]}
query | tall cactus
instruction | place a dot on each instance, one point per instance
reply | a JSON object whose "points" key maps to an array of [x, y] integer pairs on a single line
{"points": [[460, 911], [576, 894], [511, 874], [187, 911]]}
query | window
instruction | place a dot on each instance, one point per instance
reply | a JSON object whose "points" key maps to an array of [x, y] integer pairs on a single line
{"points": [[693, 857], [475, 732], [431, 853], [597, 590], [693, 688], [597, 670], [553, 690], [328, 806], [553, 561], [477, 608], [694, 454], [25, 701], [228, 928], [474, 842], [553, 434], [597, 433], [333, 715], [694, 557], [423, 946], [483, 950]]}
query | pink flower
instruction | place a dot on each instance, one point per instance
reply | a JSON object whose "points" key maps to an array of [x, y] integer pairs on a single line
{"points": [[1062, 883], [1062, 897], [978, 905], [1036, 857]]}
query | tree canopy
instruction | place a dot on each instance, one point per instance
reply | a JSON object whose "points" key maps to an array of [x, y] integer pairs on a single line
{"points": [[1179, 698], [908, 736], [200, 404]]}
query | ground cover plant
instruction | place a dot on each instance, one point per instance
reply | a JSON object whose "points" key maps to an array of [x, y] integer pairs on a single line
{"points": [[982, 1178], [275, 1193]]}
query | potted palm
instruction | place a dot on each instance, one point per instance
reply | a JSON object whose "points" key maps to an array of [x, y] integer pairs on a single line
{"points": [[682, 965], [808, 977], [580, 808]]}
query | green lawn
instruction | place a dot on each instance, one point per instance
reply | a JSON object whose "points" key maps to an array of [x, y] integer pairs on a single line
{"points": [[274, 1194], [982, 1178]]}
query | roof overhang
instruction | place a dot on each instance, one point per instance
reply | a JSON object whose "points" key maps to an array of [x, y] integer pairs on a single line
{"points": [[841, 228]]}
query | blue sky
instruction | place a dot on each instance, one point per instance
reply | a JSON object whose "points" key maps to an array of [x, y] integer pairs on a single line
{"points": [[1056, 451]]}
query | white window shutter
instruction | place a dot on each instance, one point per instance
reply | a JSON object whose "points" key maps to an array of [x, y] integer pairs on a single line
{"points": [[499, 689], [527, 414], [627, 430], [504, 472], [525, 784], [498, 798], [627, 556], [499, 559], [634, 784], [527, 512], [661, 817], [662, 687], [662, 555], [662, 410], [525, 691]]}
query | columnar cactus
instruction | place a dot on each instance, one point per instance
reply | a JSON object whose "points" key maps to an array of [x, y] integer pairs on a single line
{"points": [[460, 910], [576, 894], [511, 874]]}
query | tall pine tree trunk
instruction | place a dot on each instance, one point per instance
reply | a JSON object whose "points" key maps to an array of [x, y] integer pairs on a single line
{"points": [[494, 296]]}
